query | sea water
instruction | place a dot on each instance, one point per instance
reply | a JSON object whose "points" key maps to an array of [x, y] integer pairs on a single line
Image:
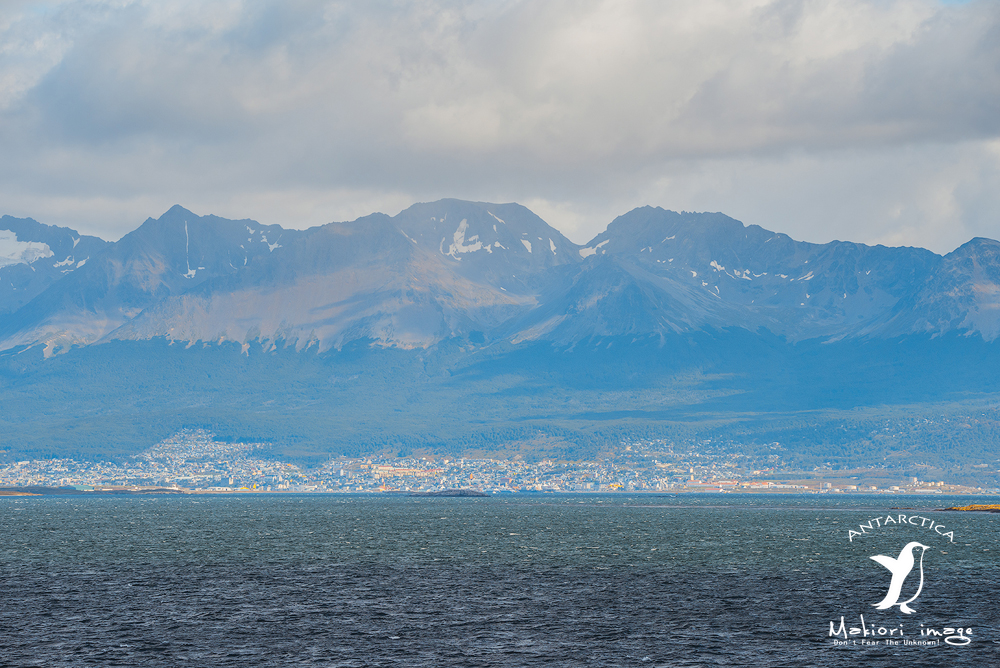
{"points": [[508, 580]]}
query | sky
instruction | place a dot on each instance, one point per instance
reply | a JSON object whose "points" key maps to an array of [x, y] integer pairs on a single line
{"points": [[875, 121]]}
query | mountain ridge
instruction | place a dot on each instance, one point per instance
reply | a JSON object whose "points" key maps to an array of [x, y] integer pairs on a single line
{"points": [[453, 268]]}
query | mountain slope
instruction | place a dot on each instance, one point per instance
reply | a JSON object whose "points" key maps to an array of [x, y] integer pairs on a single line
{"points": [[162, 258], [333, 284], [963, 295], [758, 278], [434, 271], [33, 256]]}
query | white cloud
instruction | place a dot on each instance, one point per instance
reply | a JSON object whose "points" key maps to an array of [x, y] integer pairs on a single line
{"points": [[869, 119], [934, 195]]}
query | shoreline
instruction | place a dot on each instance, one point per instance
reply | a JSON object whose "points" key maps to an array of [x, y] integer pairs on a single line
{"points": [[37, 490]]}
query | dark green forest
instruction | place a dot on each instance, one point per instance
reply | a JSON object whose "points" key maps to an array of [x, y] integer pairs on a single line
{"points": [[912, 404]]}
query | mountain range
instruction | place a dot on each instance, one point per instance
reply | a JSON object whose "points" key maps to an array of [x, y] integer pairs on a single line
{"points": [[467, 325], [466, 269]]}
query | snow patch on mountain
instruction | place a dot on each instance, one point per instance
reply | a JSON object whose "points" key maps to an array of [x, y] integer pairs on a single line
{"points": [[187, 253], [587, 252], [13, 251], [460, 244]]}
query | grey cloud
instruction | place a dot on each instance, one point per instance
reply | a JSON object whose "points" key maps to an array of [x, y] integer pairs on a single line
{"points": [[598, 103]]}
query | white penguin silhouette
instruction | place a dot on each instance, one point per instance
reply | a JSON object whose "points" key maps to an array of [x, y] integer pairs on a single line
{"points": [[900, 567]]}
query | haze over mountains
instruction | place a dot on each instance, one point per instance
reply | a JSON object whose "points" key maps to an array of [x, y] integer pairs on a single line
{"points": [[484, 272], [462, 326]]}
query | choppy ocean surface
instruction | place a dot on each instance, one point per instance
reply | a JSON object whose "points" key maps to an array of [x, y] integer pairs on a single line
{"points": [[513, 580]]}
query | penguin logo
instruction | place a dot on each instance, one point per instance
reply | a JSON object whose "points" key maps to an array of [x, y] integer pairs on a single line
{"points": [[900, 568]]}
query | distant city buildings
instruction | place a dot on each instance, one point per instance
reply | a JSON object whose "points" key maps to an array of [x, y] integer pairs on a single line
{"points": [[193, 460]]}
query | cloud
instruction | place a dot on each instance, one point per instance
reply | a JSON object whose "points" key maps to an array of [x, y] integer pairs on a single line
{"points": [[312, 111], [937, 195]]}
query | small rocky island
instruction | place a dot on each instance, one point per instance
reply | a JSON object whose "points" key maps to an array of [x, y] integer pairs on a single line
{"points": [[978, 507], [451, 492]]}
